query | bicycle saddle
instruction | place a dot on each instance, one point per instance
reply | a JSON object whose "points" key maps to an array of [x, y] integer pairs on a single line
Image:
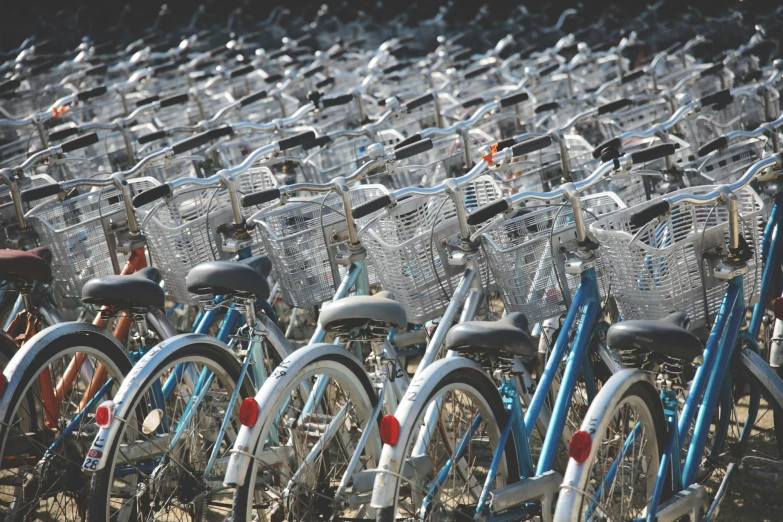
{"points": [[246, 278], [509, 335], [33, 264], [667, 336], [139, 290], [360, 311]]}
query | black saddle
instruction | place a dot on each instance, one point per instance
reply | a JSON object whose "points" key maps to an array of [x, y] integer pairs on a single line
{"points": [[33, 264], [360, 311], [668, 336], [507, 335], [246, 278], [139, 290]]}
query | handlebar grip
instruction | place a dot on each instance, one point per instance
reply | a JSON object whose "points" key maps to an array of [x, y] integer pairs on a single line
{"points": [[223, 130], [147, 100], [91, 93], [63, 133], [504, 144], [337, 54], [252, 98], [647, 214], [635, 75], [532, 145], [336, 101], [406, 39], [653, 153], [519, 97], [244, 70], [718, 143], [374, 205], [614, 143], [478, 71], [614, 106], [150, 195], [313, 71], [166, 67], [80, 142], [413, 138], [97, 70], [459, 56], [41, 192], [174, 99], [720, 97], [10, 85], [544, 107], [318, 142], [472, 103], [486, 212], [273, 78], [399, 66], [258, 198], [295, 141], [192, 143], [153, 136], [548, 70], [324, 83], [713, 69], [217, 51], [418, 102], [411, 150]]}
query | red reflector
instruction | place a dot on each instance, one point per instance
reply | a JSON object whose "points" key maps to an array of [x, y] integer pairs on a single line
{"points": [[579, 446], [3, 383], [248, 412], [390, 430], [104, 414], [778, 308]]}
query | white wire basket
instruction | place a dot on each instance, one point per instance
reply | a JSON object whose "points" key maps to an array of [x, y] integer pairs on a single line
{"points": [[344, 156], [303, 239], [8, 220], [729, 164], [667, 265], [746, 111], [526, 261], [640, 117], [182, 231], [542, 170], [78, 232], [410, 242]]}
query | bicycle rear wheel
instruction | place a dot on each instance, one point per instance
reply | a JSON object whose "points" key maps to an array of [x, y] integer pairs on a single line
{"points": [[617, 479], [425, 484], [157, 464], [43, 442]]}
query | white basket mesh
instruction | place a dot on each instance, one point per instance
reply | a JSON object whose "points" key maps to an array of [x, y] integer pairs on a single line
{"points": [[77, 232], [729, 164], [302, 238], [409, 243], [640, 117], [182, 231], [344, 156], [526, 264], [669, 266]]}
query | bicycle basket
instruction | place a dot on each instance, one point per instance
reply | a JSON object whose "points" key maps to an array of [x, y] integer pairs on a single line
{"points": [[182, 231], [524, 254], [669, 266], [410, 242], [78, 232], [303, 238], [729, 164]]}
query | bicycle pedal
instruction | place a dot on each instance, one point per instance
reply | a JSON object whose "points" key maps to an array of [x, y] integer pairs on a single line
{"points": [[762, 475]]}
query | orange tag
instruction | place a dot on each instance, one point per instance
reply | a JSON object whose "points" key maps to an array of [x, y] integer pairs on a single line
{"points": [[59, 111], [492, 150]]}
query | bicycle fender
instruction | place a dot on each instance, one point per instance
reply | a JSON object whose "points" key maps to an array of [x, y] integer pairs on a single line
{"points": [[247, 440], [416, 397], [141, 372]]}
